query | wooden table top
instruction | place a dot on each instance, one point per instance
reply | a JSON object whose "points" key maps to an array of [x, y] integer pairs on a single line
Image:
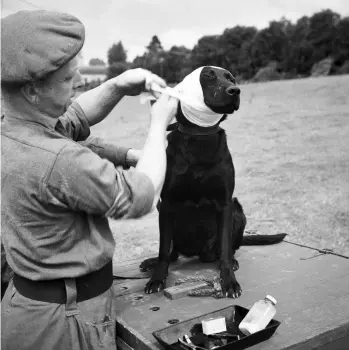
{"points": [[312, 291]]}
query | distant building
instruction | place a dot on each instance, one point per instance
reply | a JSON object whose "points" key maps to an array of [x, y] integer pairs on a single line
{"points": [[93, 73]]}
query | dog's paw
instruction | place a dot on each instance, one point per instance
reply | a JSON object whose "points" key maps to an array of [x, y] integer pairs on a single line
{"points": [[154, 286], [157, 280], [148, 264], [230, 286]]}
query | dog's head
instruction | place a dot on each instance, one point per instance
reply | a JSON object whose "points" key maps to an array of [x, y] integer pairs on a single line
{"points": [[207, 95], [221, 94]]}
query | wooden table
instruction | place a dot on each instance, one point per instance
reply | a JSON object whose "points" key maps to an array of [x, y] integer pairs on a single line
{"points": [[312, 290]]}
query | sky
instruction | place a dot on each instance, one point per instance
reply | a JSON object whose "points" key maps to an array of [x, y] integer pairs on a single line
{"points": [[176, 22]]}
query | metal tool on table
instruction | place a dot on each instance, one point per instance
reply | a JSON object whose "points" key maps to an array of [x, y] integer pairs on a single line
{"points": [[189, 344], [225, 335]]}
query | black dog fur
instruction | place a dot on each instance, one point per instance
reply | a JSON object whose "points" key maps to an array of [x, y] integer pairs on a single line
{"points": [[198, 215]]}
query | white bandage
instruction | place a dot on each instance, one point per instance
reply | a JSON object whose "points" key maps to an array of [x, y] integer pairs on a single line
{"points": [[189, 92]]}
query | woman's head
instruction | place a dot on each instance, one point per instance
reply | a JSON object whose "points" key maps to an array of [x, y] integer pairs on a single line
{"points": [[39, 50]]}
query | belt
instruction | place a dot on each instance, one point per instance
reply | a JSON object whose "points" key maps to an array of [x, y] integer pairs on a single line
{"points": [[53, 291]]}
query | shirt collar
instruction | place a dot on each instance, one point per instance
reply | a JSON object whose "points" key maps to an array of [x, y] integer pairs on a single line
{"points": [[20, 108]]}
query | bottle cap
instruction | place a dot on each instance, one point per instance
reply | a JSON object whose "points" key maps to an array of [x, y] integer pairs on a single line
{"points": [[272, 299]]}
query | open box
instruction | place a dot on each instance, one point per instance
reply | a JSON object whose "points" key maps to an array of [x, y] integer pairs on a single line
{"points": [[168, 337]]}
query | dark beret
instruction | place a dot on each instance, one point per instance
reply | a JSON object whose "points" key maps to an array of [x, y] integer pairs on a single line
{"points": [[36, 43]]}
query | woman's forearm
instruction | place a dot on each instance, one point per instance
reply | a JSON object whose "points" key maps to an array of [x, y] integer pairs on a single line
{"points": [[99, 102], [153, 159]]}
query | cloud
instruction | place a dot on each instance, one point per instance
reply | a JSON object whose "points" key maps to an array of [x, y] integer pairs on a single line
{"points": [[187, 37], [177, 36], [133, 51], [151, 2], [179, 22]]}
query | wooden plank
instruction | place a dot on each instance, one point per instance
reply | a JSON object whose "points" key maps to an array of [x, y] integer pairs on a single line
{"points": [[129, 287], [131, 274], [131, 268], [335, 339], [340, 344], [176, 292], [121, 266], [121, 345], [282, 289], [308, 280], [187, 266], [288, 266], [187, 307], [279, 340], [297, 284], [131, 336], [312, 327]]}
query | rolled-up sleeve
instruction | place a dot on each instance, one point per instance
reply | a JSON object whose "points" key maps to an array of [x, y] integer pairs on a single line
{"points": [[75, 123], [75, 126], [81, 181], [108, 150]]}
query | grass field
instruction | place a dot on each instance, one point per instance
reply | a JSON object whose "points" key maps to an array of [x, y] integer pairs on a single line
{"points": [[290, 146]]}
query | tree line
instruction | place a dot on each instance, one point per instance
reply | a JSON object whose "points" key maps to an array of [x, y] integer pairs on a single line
{"points": [[291, 49]]}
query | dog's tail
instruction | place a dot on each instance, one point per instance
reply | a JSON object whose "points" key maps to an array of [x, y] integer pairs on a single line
{"points": [[239, 223], [262, 239]]}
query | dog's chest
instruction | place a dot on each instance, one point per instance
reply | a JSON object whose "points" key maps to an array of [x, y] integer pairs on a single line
{"points": [[199, 169]]}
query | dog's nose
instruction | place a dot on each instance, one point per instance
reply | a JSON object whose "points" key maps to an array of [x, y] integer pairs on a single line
{"points": [[233, 90]]}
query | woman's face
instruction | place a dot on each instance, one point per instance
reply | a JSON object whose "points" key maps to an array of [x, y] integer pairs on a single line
{"points": [[55, 93]]}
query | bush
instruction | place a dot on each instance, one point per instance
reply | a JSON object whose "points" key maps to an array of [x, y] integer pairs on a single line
{"points": [[344, 69], [268, 73], [117, 68], [322, 68]]}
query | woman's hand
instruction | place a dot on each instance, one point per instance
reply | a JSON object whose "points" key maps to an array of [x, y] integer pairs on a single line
{"points": [[134, 81], [164, 110]]}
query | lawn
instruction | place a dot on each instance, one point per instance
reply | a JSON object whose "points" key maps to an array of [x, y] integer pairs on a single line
{"points": [[290, 146]]}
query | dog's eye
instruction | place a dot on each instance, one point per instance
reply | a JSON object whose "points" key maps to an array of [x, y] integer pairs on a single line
{"points": [[229, 77], [210, 74]]}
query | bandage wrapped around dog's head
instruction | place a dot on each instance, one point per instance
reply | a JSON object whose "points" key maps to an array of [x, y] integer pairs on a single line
{"points": [[192, 104], [191, 95]]}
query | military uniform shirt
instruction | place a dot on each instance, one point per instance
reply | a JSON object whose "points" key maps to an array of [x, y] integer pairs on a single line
{"points": [[58, 193]]}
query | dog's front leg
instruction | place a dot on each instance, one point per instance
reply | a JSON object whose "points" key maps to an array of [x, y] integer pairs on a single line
{"points": [[150, 264], [160, 273], [230, 286]]}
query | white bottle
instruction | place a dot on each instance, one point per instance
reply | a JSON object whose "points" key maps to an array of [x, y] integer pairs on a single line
{"points": [[259, 316]]}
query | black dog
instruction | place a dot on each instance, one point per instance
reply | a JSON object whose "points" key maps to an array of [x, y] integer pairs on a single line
{"points": [[198, 215]]}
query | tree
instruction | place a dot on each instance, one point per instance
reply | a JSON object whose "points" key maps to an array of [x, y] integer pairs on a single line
{"points": [[245, 68], [235, 44], [96, 62], [153, 59], [116, 69], [322, 31], [341, 42], [176, 64], [287, 48], [299, 61], [207, 52], [155, 46], [116, 53], [271, 44]]}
